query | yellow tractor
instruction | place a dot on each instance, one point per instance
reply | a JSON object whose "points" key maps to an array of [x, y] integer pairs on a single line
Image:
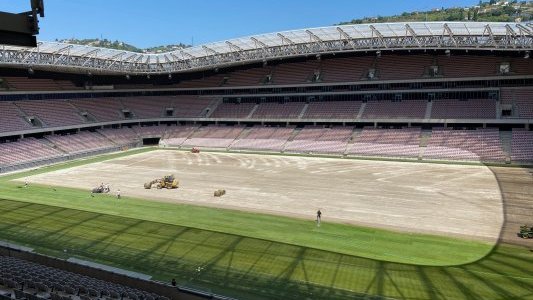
{"points": [[167, 182]]}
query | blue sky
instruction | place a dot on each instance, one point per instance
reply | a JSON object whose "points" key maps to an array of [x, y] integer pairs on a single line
{"points": [[150, 23]]}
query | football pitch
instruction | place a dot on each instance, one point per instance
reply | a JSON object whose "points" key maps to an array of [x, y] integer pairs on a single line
{"points": [[269, 246]]}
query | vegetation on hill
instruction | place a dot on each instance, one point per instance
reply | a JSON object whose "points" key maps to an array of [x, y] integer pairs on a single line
{"points": [[489, 11], [118, 45]]}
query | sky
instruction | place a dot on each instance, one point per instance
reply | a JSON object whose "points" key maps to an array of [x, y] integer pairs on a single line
{"points": [[145, 23]]}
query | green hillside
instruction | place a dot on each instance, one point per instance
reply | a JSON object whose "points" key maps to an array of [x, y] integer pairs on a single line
{"points": [[491, 11]]}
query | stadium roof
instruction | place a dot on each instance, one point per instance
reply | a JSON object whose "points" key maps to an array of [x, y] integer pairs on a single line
{"points": [[263, 47]]}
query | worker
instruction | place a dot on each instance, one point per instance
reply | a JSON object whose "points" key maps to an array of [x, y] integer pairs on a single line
{"points": [[318, 217], [118, 193]]}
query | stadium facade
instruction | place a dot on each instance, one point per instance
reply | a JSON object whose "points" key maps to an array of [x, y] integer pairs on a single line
{"points": [[399, 90]]}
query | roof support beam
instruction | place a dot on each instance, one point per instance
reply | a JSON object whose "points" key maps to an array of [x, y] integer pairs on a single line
{"points": [[377, 35], [488, 31], [187, 55], [346, 37], [209, 51], [285, 39], [410, 30], [236, 49], [450, 34]]}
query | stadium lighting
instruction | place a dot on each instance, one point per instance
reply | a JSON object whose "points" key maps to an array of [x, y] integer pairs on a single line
{"points": [[378, 53], [148, 76], [31, 71], [447, 52], [526, 55], [318, 57], [89, 74], [128, 76], [169, 76]]}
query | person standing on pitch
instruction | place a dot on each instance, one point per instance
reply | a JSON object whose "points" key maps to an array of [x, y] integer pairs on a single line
{"points": [[118, 193], [318, 217]]}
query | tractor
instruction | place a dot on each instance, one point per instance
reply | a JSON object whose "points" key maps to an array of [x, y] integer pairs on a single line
{"points": [[526, 232], [167, 182]]}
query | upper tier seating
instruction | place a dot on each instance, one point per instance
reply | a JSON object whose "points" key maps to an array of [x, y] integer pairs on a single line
{"points": [[27, 280], [476, 145], [469, 109], [397, 67], [295, 73], [103, 109], [52, 113], [37, 84], [147, 107], [274, 110], [250, 77], [11, 118], [521, 99], [191, 106], [233, 110], [395, 109], [332, 110], [346, 69]]}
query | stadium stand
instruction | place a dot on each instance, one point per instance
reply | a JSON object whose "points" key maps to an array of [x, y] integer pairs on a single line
{"points": [[147, 107], [520, 99], [84, 141], [20, 279], [35, 84], [274, 110], [25, 151], [402, 143], [233, 110], [264, 138], [522, 145], [395, 109], [103, 109], [51, 113], [332, 110], [317, 139], [120, 136], [213, 136], [464, 109], [468, 145], [11, 118]]}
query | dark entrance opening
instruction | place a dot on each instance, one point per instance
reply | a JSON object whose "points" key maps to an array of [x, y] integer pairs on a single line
{"points": [[151, 141]]}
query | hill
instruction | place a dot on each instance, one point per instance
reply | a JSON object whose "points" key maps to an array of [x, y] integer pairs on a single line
{"points": [[118, 45], [491, 11]]}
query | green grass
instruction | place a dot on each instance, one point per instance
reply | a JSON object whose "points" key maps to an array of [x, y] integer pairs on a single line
{"points": [[291, 259]]}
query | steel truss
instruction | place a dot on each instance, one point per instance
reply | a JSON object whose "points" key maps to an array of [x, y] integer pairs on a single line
{"points": [[314, 41]]}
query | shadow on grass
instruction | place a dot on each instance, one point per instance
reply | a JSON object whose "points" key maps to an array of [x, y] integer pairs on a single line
{"points": [[258, 269]]}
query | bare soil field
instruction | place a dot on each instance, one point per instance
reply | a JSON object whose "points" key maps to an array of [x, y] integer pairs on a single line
{"points": [[453, 200]]}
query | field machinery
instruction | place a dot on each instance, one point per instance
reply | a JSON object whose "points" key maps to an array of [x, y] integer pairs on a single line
{"points": [[526, 232], [219, 193], [167, 182]]}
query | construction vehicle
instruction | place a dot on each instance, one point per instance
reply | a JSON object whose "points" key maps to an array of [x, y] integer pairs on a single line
{"points": [[526, 232], [219, 193], [100, 189], [167, 182]]}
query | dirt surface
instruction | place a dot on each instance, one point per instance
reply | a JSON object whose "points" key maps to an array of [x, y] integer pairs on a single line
{"points": [[432, 198], [516, 185]]}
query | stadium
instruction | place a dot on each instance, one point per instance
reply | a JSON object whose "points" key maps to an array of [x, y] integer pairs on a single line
{"points": [[414, 140]]}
